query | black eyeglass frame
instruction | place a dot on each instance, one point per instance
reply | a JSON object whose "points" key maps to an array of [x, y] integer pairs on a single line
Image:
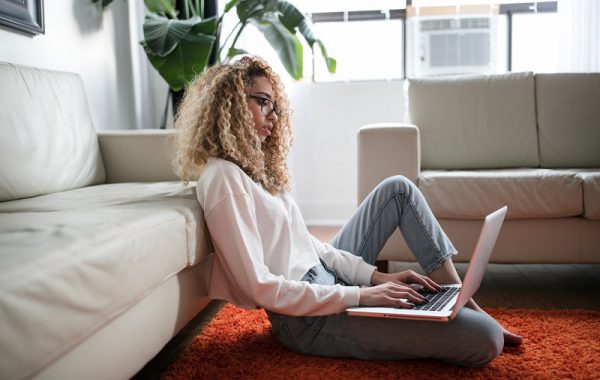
{"points": [[264, 102]]}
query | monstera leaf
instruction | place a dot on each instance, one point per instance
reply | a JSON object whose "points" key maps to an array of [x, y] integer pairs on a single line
{"points": [[286, 44], [279, 21], [178, 49], [162, 7]]}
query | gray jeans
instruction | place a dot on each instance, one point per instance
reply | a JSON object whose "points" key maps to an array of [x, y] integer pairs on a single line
{"points": [[471, 339]]}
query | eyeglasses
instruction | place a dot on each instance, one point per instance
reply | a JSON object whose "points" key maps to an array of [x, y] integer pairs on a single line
{"points": [[267, 106]]}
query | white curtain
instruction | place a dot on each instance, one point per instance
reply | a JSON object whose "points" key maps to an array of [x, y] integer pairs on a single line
{"points": [[580, 37], [150, 91]]}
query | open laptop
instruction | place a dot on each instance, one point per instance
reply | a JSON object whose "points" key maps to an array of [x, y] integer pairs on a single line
{"points": [[444, 305]]}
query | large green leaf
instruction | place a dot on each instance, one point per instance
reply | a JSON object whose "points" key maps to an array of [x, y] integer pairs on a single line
{"points": [[282, 12], [286, 44], [206, 26], [232, 52], [311, 39], [185, 62], [264, 15], [161, 7], [161, 34], [292, 18], [330, 62], [230, 5], [178, 49], [247, 9]]}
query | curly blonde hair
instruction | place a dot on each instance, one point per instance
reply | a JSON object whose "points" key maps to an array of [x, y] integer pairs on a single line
{"points": [[214, 120]]}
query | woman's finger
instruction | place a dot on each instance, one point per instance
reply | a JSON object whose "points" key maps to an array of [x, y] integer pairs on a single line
{"points": [[413, 298], [432, 285], [406, 292], [400, 303], [426, 282], [404, 305]]}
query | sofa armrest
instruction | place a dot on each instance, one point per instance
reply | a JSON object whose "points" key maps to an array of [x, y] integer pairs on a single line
{"points": [[385, 150], [137, 155]]}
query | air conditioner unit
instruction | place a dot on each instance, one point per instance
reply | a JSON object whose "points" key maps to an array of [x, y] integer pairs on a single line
{"points": [[453, 45]]}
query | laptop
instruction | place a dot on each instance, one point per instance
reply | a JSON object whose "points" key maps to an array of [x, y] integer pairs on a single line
{"points": [[444, 305]]}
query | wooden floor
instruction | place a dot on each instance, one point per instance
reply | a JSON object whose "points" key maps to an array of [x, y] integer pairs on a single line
{"points": [[532, 286]]}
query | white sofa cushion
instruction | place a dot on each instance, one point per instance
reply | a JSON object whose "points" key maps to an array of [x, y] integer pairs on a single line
{"points": [[475, 122], [591, 192], [529, 193], [71, 262], [568, 111], [47, 139]]}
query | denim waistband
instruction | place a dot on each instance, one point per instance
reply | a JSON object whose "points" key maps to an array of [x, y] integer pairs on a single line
{"points": [[321, 274]]}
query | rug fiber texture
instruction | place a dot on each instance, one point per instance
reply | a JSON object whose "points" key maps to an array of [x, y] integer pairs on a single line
{"points": [[237, 343]]}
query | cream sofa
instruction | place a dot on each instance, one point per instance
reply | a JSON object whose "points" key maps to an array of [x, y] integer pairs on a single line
{"points": [[98, 239], [475, 143]]}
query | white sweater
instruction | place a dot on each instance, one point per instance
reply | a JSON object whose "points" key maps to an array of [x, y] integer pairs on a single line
{"points": [[262, 249]]}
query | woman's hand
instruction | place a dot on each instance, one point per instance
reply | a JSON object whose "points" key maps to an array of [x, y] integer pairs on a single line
{"points": [[406, 277], [390, 294]]}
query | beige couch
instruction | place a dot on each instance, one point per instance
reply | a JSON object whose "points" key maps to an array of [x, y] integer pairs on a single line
{"points": [[476, 143], [98, 240]]}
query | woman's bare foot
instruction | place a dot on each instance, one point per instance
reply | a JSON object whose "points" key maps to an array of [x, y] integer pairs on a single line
{"points": [[512, 339]]}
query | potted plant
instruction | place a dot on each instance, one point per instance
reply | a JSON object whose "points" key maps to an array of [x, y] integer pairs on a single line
{"points": [[181, 43]]}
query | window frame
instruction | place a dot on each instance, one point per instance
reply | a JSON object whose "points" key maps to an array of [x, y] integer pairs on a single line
{"points": [[393, 14], [510, 9], [369, 15]]}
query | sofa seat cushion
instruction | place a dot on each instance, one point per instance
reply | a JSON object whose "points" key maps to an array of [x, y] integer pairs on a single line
{"points": [[529, 193], [591, 192], [71, 262]]}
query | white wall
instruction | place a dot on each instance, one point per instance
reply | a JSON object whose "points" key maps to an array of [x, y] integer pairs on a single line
{"points": [[327, 117], [83, 39]]}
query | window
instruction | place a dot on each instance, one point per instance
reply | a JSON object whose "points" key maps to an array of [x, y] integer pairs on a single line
{"points": [[440, 37], [364, 50], [390, 39], [534, 42]]}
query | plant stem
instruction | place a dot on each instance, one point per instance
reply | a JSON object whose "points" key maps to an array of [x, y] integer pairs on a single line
{"points": [[186, 9], [244, 23], [238, 35], [227, 39], [193, 9]]}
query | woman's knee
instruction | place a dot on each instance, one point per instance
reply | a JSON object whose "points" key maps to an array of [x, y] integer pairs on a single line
{"points": [[478, 339], [396, 184], [490, 341], [489, 348]]}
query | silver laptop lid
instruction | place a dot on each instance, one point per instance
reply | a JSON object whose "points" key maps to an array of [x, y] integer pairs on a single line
{"points": [[481, 255]]}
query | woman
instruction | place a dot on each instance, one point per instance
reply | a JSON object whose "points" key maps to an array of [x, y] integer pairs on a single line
{"points": [[233, 136]]}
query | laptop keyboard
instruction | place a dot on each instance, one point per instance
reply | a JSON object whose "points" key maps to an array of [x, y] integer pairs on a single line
{"points": [[438, 300]]}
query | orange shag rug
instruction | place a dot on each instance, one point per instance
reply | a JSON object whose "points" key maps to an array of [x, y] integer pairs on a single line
{"points": [[237, 343]]}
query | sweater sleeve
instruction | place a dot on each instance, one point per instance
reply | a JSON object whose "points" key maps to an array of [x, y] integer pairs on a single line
{"points": [[233, 229], [351, 268]]}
